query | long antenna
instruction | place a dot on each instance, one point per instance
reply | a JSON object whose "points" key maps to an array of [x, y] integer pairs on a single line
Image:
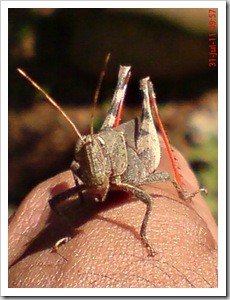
{"points": [[102, 75], [51, 101]]}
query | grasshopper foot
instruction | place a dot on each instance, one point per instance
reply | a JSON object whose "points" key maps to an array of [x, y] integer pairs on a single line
{"points": [[187, 195], [150, 250]]}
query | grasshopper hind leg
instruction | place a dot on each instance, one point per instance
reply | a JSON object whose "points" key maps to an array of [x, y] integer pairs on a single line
{"points": [[165, 177]]}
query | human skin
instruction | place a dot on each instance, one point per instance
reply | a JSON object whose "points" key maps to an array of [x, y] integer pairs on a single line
{"points": [[105, 250]]}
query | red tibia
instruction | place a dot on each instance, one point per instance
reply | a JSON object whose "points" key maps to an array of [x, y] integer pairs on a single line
{"points": [[165, 138], [118, 117]]}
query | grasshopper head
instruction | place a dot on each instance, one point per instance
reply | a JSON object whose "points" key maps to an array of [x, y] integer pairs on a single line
{"points": [[89, 164]]}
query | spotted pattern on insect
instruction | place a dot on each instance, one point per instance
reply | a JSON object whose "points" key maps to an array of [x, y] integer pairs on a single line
{"points": [[118, 98], [119, 157]]}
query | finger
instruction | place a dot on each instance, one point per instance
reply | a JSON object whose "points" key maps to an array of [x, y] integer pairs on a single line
{"points": [[108, 250], [191, 184], [32, 215]]}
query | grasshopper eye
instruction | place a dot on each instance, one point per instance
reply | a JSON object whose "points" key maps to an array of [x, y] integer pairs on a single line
{"points": [[74, 166]]}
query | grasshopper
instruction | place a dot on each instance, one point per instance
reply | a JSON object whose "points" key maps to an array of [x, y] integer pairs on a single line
{"points": [[121, 157]]}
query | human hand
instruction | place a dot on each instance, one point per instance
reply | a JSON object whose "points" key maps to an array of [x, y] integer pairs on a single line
{"points": [[106, 250]]}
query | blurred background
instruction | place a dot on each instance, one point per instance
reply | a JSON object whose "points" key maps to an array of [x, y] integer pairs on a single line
{"points": [[64, 51]]}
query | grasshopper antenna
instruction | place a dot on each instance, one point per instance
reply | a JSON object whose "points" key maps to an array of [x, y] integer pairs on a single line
{"points": [[102, 75], [51, 101]]}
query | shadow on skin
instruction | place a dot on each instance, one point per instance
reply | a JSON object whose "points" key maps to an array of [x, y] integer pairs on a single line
{"points": [[106, 249]]}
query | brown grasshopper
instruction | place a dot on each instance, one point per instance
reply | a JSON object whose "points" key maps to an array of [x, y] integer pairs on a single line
{"points": [[120, 157]]}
